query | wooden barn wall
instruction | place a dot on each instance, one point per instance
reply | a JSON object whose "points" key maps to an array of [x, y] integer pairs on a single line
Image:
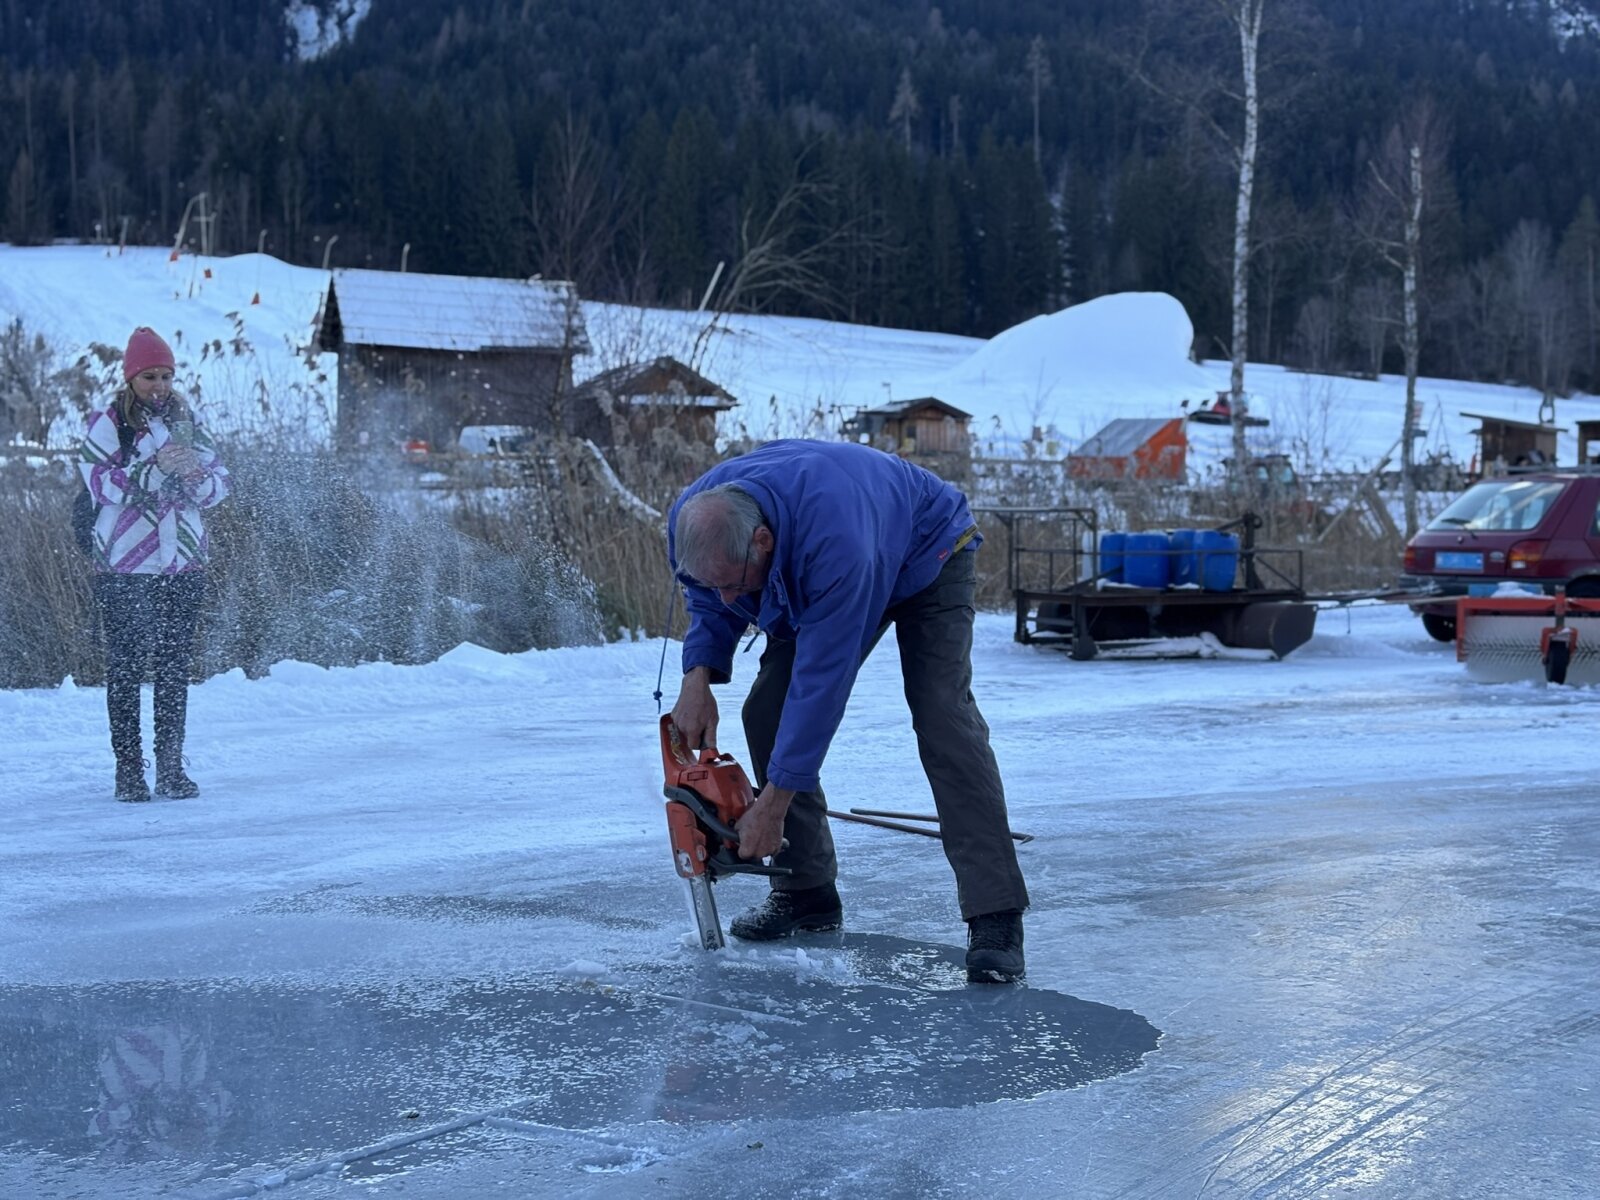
{"points": [[691, 422], [391, 395], [930, 433]]}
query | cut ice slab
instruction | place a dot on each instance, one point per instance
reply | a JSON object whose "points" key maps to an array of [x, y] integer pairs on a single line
{"points": [[1204, 645], [229, 1083]]}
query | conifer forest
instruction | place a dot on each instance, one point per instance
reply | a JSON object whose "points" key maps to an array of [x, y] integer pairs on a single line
{"points": [[957, 167]]}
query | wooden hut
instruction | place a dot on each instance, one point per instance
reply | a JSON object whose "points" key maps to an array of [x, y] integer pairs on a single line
{"points": [[1505, 443], [422, 356], [1588, 443], [636, 399], [925, 430]]}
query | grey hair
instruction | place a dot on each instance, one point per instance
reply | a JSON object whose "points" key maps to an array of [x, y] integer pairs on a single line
{"points": [[714, 528]]}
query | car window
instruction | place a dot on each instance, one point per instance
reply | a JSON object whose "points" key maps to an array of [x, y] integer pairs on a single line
{"points": [[1501, 504]]}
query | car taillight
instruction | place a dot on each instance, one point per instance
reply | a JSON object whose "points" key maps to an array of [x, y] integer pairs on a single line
{"points": [[1525, 556], [1413, 562]]}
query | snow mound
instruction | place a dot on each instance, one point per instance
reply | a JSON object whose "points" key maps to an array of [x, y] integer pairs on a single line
{"points": [[1340, 645], [1092, 358]]}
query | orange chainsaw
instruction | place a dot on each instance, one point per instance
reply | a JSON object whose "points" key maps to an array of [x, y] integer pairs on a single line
{"points": [[706, 794]]}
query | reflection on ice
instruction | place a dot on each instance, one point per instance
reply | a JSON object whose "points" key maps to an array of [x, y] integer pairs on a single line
{"points": [[157, 1096], [262, 1079]]}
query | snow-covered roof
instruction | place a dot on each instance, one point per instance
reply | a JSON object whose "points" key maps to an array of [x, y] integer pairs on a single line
{"points": [[899, 408], [1122, 436], [455, 312], [1535, 425], [643, 383]]}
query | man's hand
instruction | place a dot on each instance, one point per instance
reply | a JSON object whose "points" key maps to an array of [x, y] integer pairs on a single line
{"points": [[695, 713], [761, 828]]}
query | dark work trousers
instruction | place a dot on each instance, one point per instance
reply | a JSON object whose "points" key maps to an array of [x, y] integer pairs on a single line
{"points": [[934, 629], [145, 619]]}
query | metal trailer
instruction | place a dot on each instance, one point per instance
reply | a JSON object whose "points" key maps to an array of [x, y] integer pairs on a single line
{"points": [[1064, 598]]}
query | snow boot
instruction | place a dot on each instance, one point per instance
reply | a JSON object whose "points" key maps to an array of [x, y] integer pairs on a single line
{"points": [[994, 948], [783, 914], [131, 786], [172, 783]]}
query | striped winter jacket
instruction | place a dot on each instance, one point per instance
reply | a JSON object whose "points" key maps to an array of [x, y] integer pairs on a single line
{"points": [[149, 521]]}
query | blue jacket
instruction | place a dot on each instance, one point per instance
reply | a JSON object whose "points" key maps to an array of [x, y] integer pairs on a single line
{"points": [[856, 531]]}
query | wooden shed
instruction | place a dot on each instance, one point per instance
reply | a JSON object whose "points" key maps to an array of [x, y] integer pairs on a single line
{"points": [[913, 428], [422, 356], [1505, 443], [1588, 443], [636, 399], [1133, 448]]}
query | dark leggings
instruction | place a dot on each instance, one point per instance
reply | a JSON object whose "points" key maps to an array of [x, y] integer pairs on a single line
{"points": [[145, 618]]}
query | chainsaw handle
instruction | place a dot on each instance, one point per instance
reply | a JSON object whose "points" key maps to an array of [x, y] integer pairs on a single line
{"points": [[703, 812], [676, 752]]}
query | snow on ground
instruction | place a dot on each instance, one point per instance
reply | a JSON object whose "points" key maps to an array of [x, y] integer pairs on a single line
{"points": [[421, 937], [1065, 374]]}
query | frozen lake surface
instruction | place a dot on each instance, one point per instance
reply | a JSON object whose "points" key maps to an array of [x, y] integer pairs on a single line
{"points": [[1322, 926]]}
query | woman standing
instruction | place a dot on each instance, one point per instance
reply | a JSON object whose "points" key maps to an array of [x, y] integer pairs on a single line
{"points": [[150, 469]]}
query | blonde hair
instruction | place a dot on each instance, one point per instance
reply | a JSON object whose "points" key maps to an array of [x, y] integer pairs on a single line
{"points": [[132, 412]]}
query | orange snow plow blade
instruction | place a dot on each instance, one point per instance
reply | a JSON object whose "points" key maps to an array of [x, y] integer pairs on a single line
{"points": [[1504, 639]]}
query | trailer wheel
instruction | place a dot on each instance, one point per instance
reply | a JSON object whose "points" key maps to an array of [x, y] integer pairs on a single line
{"points": [[1556, 660], [1440, 629]]}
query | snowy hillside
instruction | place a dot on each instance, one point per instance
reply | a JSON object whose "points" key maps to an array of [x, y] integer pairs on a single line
{"points": [[1064, 375]]}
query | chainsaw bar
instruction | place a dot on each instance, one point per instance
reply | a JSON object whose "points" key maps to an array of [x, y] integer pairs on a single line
{"points": [[706, 795], [703, 911]]}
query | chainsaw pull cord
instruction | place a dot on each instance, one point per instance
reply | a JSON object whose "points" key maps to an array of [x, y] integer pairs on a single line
{"points": [[666, 636]]}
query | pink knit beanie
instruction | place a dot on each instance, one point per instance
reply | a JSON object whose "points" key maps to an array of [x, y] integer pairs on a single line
{"points": [[145, 350]]}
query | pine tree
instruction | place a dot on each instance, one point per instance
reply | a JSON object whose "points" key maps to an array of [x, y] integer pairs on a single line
{"points": [[492, 206], [1038, 80], [1580, 258], [22, 211], [943, 284], [681, 215]]}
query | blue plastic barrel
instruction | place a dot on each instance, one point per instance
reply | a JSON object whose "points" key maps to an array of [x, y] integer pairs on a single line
{"points": [[1144, 560], [1218, 555], [1111, 555], [1184, 564]]}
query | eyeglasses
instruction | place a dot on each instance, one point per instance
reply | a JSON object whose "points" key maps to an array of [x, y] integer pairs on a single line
{"points": [[740, 585]]}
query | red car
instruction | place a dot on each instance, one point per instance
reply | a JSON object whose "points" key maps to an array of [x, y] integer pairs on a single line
{"points": [[1535, 529]]}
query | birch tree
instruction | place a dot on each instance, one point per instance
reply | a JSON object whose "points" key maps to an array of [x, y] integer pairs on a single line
{"points": [[906, 107], [575, 208], [1538, 308], [1171, 56], [1246, 17], [1398, 200]]}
